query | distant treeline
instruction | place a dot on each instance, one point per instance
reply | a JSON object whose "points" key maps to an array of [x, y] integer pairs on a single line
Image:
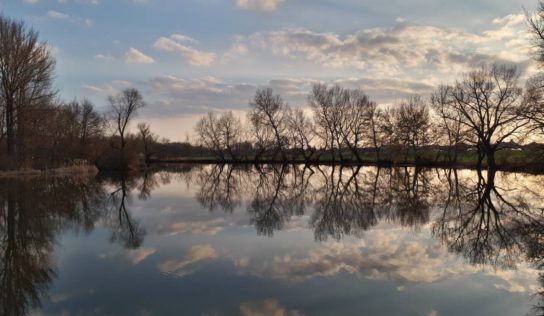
{"points": [[486, 110]]}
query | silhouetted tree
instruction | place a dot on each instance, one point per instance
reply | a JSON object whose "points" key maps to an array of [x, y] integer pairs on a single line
{"points": [[221, 134], [26, 72], [148, 139], [268, 116], [488, 103], [412, 125], [301, 134], [124, 108]]}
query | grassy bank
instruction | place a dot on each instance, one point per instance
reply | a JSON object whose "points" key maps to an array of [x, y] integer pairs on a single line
{"points": [[62, 171], [514, 160]]}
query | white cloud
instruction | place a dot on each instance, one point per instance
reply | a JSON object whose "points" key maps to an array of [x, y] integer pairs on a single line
{"points": [[104, 58], [211, 227], [57, 15], [30, 1], [134, 56], [107, 89], [404, 51], [195, 254], [389, 254], [259, 5], [176, 44], [138, 255]]}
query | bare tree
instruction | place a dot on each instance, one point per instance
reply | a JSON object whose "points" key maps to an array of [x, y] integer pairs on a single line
{"points": [[327, 105], [148, 139], [356, 118], [301, 134], [535, 20], [220, 134], [87, 123], [342, 118], [450, 125], [26, 72], [208, 135], [380, 132], [269, 116], [490, 105], [231, 131], [124, 108], [412, 125]]}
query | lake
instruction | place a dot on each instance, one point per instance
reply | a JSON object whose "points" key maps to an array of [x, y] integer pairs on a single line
{"points": [[273, 240]]}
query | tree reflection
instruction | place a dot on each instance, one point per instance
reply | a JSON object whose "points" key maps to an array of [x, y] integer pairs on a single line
{"points": [[220, 187], [125, 229], [32, 213], [489, 224]]}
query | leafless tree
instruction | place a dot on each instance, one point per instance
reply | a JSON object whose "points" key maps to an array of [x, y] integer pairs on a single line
{"points": [[535, 20], [356, 123], [231, 131], [124, 108], [88, 124], [450, 127], [26, 72], [489, 104], [327, 104], [343, 118], [301, 134], [148, 139], [269, 116], [378, 136], [534, 98], [412, 126], [221, 134], [207, 134]]}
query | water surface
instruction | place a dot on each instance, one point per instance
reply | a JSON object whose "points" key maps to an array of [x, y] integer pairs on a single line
{"points": [[274, 240]]}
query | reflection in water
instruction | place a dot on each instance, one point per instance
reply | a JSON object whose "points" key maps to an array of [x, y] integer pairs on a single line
{"points": [[489, 224], [480, 216], [33, 212]]}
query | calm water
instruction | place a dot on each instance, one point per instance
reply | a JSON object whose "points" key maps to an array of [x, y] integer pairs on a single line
{"points": [[277, 240]]}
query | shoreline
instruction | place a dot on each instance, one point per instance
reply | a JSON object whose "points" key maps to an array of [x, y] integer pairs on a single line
{"points": [[61, 171], [533, 169]]}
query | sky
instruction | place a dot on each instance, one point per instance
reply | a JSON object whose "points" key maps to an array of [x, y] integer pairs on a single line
{"points": [[194, 56]]}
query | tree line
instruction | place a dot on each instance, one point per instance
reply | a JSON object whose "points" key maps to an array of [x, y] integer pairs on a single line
{"points": [[484, 109]]}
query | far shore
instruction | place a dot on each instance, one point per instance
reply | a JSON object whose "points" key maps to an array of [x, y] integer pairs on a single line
{"points": [[61, 171]]}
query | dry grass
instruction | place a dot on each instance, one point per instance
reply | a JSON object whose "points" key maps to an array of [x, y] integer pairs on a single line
{"points": [[62, 171]]}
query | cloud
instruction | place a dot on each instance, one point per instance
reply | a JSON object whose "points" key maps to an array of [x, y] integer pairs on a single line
{"points": [[104, 58], [107, 89], [57, 15], [211, 227], [405, 50], [388, 254], [259, 5], [265, 307], [30, 1], [134, 56], [138, 255], [176, 44], [195, 254]]}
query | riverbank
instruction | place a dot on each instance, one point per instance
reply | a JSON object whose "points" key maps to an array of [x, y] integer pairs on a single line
{"points": [[62, 171], [531, 161]]}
